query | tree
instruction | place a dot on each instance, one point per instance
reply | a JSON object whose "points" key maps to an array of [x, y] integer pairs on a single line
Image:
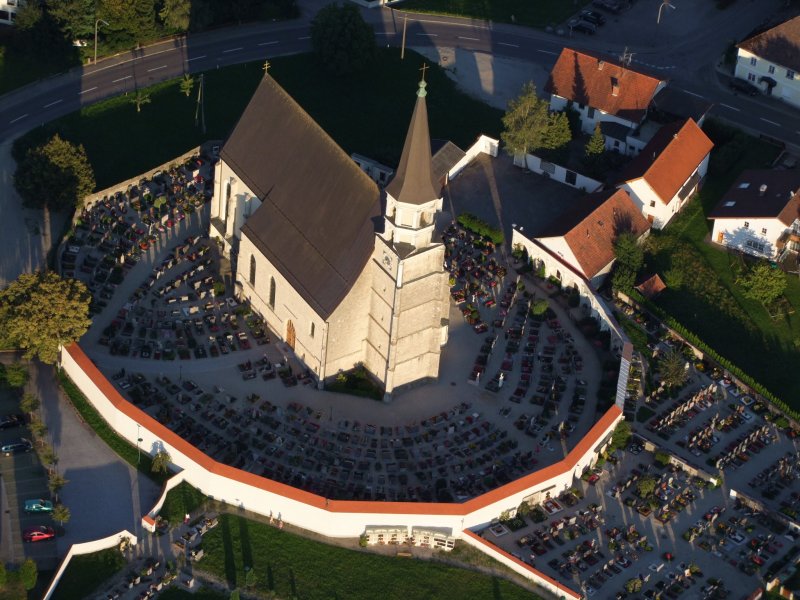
{"points": [[41, 312], [75, 17], [633, 585], [629, 258], [763, 283], [140, 98], [55, 482], [176, 15], [161, 462], [16, 375], [38, 430], [342, 40], [662, 458], [526, 118], [29, 403], [56, 175], [621, 436], [672, 367], [645, 486], [187, 84], [28, 573], [556, 136], [596, 146], [60, 514]]}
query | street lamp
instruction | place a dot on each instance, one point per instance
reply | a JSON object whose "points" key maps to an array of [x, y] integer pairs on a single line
{"points": [[660, 8], [96, 23]]}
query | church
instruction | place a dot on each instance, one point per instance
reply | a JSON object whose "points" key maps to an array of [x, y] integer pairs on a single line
{"points": [[344, 272]]}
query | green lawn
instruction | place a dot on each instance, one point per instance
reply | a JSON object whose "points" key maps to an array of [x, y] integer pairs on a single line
{"points": [[181, 500], [93, 419], [86, 572], [533, 13], [292, 566], [368, 114], [702, 293]]}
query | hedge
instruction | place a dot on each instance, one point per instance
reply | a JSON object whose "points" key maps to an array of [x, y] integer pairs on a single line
{"points": [[475, 225]]}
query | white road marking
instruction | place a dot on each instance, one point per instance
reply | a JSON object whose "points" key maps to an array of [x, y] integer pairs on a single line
{"points": [[305, 37], [693, 94], [548, 52], [429, 34], [232, 50], [730, 107], [195, 58], [385, 33], [461, 37], [18, 119], [156, 68], [52, 103], [268, 43], [509, 45], [85, 91], [122, 78], [770, 122]]}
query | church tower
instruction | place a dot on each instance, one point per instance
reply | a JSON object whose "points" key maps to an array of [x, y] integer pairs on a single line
{"points": [[410, 304]]}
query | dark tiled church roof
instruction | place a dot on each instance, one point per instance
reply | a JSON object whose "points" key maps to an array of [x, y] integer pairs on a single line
{"points": [[319, 211], [414, 182]]}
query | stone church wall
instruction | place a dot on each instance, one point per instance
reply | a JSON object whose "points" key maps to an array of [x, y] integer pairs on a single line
{"points": [[289, 306], [347, 326]]}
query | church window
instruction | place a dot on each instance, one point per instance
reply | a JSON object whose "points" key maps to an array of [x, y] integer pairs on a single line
{"points": [[227, 203], [272, 292], [253, 270], [311, 330]]}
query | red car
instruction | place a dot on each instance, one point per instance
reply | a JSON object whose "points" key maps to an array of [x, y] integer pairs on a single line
{"points": [[38, 534]]}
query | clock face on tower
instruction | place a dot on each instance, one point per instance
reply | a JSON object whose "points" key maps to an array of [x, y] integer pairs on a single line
{"points": [[387, 260]]}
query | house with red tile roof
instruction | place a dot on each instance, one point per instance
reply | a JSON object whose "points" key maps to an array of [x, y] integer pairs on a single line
{"points": [[760, 213], [583, 237], [603, 90], [668, 171], [770, 60]]}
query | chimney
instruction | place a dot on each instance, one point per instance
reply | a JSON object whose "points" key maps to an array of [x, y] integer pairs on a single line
{"points": [[614, 86], [600, 64], [762, 189]]}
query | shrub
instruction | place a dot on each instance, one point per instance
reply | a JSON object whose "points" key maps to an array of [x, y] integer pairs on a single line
{"points": [[472, 223]]}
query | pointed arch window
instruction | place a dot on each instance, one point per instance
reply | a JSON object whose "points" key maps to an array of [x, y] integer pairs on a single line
{"points": [[227, 203], [253, 270], [272, 292]]}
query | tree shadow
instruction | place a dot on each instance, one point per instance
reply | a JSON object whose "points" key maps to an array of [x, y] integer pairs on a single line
{"points": [[270, 578], [244, 538], [227, 544]]}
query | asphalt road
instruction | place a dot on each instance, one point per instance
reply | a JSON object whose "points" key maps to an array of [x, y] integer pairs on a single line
{"points": [[687, 59]]}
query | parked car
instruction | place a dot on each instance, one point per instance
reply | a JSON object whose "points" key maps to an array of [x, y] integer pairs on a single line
{"points": [[593, 17], [11, 421], [19, 447], [38, 534], [584, 27], [745, 87], [38, 506], [611, 6]]}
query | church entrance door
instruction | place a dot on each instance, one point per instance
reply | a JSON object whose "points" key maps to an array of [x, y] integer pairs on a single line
{"points": [[290, 336]]}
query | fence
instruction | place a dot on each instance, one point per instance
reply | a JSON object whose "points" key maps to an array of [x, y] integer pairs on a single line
{"points": [[87, 548], [484, 144], [557, 172]]}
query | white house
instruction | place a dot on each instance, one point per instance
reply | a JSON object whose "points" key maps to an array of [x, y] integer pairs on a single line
{"points": [[771, 61], [604, 91], [759, 213], [8, 10], [667, 171], [583, 237]]}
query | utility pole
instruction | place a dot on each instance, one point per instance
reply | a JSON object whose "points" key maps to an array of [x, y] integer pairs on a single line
{"points": [[403, 46], [660, 8], [96, 23]]}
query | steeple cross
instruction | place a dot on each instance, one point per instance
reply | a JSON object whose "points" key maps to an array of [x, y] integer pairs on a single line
{"points": [[266, 67], [423, 69]]}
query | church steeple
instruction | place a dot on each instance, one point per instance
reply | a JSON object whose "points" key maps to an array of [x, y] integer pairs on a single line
{"points": [[414, 182]]}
